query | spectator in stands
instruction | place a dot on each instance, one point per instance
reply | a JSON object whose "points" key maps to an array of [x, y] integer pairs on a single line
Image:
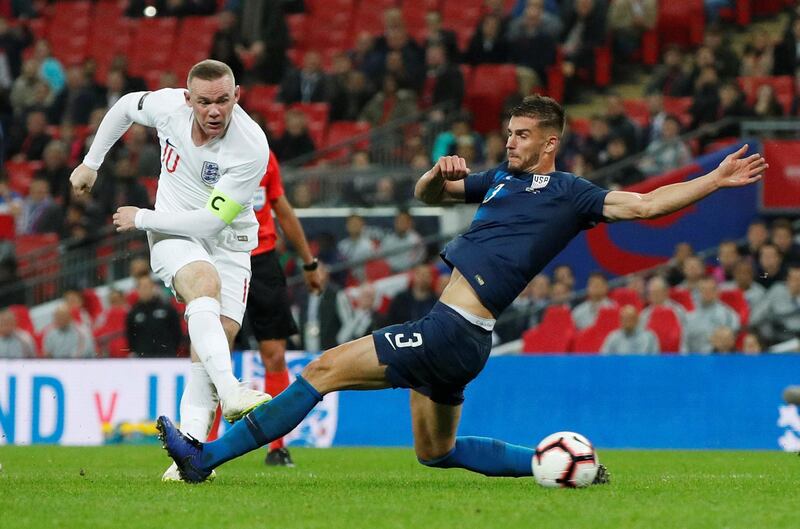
{"points": [[348, 103], [10, 200], [32, 141], [706, 98], [14, 342], [125, 187], [417, 301], [321, 315], [757, 236], [114, 89], [782, 236], [74, 300], [362, 319], [357, 245], [723, 340], [497, 8], [561, 295], [465, 148], [752, 344], [50, 68], [658, 296], [225, 44], [142, 151], [694, 271], [727, 259], [22, 96], [264, 40], [444, 83], [771, 267], [64, 338], [594, 148], [627, 175], [39, 212], [488, 44], [366, 57], [528, 83], [668, 151], [495, 149], [436, 35], [630, 338], [405, 237], [389, 104], [709, 314], [585, 314], [132, 83], [628, 20], [116, 302], [776, 317], [620, 124], [537, 297], [584, 29], [295, 141], [767, 104], [396, 40], [727, 60], [407, 79], [758, 58], [153, 326], [787, 52], [656, 118], [13, 40], [563, 273], [674, 272], [744, 280], [75, 101], [56, 170], [670, 78], [732, 103], [308, 84], [528, 33], [446, 141]]}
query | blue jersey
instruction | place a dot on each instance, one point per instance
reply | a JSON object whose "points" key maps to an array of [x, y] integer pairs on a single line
{"points": [[523, 222]]}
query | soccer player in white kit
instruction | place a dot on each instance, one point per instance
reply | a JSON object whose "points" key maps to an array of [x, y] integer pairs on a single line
{"points": [[203, 227]]}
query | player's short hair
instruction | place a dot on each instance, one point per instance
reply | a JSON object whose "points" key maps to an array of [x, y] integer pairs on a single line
{"points": [[545, 110], [210, 70]]}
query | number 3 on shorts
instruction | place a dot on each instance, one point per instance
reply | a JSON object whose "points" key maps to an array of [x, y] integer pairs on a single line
{"points": [[401, 341]]}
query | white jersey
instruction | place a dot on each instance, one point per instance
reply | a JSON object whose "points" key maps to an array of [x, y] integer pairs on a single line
{"points": [[233, 163]]}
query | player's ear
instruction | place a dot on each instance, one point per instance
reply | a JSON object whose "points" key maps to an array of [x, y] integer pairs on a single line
{"points": [[552, 143], [236, 93], [186, 97]]}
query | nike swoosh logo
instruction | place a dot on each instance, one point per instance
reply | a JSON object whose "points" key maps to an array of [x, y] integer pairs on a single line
{"points": [[388, 337]]}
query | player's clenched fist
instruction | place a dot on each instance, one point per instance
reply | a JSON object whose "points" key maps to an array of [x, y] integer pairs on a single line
{"points": [[82, 179], [125, 218], [452, 167]]}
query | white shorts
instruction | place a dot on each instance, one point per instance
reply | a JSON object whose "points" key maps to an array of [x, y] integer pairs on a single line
{"points": [[170, 253]]}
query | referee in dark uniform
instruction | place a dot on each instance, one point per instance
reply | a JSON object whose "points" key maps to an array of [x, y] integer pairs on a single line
{"points": [[268, 307]]}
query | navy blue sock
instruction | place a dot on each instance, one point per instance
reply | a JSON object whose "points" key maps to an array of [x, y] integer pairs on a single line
{"points": [[486, 456], [264, 424]]}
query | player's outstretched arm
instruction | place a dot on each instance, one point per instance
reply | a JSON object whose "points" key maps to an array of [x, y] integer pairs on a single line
{"points": [[734, 171], [444, 183]]}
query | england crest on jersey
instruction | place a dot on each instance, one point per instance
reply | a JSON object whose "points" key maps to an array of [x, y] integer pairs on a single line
{"points": [[210, 173], [259, 198], [538, 182]]}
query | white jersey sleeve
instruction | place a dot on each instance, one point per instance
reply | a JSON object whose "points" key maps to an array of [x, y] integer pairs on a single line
{"points": [[144, 108]]}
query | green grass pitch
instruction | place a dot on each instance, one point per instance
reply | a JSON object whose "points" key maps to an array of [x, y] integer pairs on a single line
{"points": [[118, 487]]}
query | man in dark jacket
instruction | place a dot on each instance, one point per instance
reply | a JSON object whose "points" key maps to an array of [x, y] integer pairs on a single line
{"points": [[153, 325]]}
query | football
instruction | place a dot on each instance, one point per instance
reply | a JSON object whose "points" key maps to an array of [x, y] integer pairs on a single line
{"points": [[565, 459]]}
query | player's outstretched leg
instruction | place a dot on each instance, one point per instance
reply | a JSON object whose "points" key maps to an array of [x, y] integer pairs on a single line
{"points": [[350, 366], [436, 444]]}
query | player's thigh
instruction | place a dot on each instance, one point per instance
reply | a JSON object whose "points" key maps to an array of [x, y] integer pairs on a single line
{"points": [[434, 425], [353, 365], [184, 265], [234, 273]]}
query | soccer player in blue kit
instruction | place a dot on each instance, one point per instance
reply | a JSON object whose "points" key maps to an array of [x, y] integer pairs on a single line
{"points": [[528, 213]]}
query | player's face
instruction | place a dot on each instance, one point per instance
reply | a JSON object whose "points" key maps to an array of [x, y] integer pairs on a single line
{"points": [[212, 103], [527, 143]]}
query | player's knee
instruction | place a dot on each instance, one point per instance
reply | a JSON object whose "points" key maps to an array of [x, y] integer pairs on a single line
{"points": [[318, 369]]}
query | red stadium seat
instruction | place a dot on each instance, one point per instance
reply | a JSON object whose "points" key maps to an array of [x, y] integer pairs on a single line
{"points": [[7, 227], [491, 84], [92, 303], [297, 29], [37, 256], [637, 110], [414, 15], [667, 328], [258, 97], [152, 45], [682, 296], [681, 22], [590, 339], [554, 334], [110, 335], [23, 317], [20, 175], [377, 269], [317, 114], [735, 299], [193, 43], [627, 296], [580, 126], [340, 132]]}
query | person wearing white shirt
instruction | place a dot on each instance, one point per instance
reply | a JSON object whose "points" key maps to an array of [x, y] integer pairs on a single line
{"points": [[709, 314], [202, 229], [630, 339]]}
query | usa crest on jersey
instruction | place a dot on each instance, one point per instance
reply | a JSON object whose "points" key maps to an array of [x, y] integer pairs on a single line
{"points": [[538, 182], [210, 173]]}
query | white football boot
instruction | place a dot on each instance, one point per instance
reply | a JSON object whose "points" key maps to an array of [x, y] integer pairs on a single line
{"points": [[245, 401], [171, 475]]}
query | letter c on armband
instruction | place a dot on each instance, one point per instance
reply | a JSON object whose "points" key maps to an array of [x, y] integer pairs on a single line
{"points": [[223, 206]]}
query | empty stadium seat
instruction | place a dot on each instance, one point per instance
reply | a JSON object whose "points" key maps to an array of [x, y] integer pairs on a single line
{"points": [[627, 296], [681, 22], [258, 97], [682, 296], [637, 110], [735, 299], [7, 226], [342, 131], [23, 317], [377, 269], [490, 85], [590, 339], [554, 334], [152, 45], [667, 328], [20, 175]]}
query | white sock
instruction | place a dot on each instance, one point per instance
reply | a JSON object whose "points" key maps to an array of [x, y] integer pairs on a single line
{"points": [[198, 403], [211, 345]]}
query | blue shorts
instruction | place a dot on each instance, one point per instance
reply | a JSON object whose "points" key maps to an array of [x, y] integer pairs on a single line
{"points": [[436, 356]]}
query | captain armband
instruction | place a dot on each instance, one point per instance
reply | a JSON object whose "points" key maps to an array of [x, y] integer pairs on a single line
{"points": [[223, 206]]}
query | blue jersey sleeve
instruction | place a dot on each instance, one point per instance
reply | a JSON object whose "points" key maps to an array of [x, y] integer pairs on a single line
{"points": [[588, 200], [476, 186]]}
